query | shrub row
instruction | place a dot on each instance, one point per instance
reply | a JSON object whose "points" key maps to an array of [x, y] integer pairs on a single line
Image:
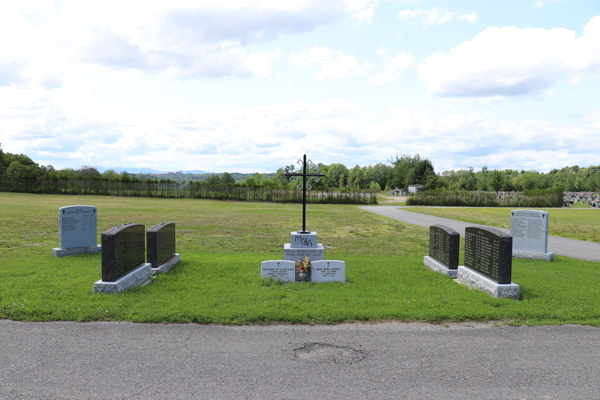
{"points": [[539, 198]]}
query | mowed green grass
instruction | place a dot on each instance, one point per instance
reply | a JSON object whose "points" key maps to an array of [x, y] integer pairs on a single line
{"points": [[222, 244], [578, 223]]}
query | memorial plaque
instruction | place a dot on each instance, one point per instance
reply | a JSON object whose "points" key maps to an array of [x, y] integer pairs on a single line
{"points": [[529, 229], [77, 226], [123, 249], [328, 271], [314, 254], [304, 240], [488, 251], [444, 245], [161, 243], [279, 270]]}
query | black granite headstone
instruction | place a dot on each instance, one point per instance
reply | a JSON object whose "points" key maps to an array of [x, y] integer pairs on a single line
{"points": [[123, 249], [161, 243], [489, 252], [444, 245]]}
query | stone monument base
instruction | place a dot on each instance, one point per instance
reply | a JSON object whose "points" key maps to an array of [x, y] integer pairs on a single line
{"points": [[475, 280], [167, 265], [533, 255], [75, 251], [437, 266], [137, 277]]}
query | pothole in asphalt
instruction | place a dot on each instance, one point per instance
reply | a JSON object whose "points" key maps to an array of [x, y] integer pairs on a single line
{"points": [[329, 353]]}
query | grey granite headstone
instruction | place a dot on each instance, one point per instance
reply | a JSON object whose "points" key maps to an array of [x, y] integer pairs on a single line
{"points": [[161, 247], [77, 231], [529, 229], [328, 271], [280, 270]]}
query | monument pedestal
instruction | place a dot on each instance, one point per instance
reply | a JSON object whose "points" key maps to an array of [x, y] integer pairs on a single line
{"points": [[478, 281], [137, 277], [534, 255], [437, 266], [75, 251], [167, 265]]}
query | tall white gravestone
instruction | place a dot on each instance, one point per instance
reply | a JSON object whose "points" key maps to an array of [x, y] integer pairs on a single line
{"points": [[529, 229], [77, 231]]}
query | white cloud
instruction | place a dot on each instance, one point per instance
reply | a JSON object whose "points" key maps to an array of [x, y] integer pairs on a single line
{"points": [[511, 61], [538, 4], [183, 38], [331, 65], [437, 16], [391, 67]]}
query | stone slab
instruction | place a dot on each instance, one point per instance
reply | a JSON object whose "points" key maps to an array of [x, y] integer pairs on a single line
{"points": [[328, 271], [534, 256], [444, 245], [160, 241], [478, 281], [489, 252], [77, 226], [303, 240], [437, 266], [170, 263], [123, 250], [280, 270], [291, 254], [137, 277], [529, 229], [58, 252]]}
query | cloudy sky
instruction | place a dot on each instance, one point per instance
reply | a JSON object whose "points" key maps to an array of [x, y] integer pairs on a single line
{"points": [[251, 85]]}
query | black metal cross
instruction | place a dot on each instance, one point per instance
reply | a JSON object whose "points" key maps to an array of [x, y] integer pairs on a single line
{"points": [[304, 174]]}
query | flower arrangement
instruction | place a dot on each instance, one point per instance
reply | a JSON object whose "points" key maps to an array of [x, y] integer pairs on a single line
{"points": [[303, 265]]}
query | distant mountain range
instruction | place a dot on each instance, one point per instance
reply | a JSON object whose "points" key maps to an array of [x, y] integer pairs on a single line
{"points": [[147, 170]]}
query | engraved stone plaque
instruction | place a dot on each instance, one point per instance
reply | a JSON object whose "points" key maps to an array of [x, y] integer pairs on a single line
{"points": [[529, 229], [314, 254], [279, 270], [161, 243], [123, 250], [328, 271], [77, 226], [444, 245], [488, 251], [304, 240]]}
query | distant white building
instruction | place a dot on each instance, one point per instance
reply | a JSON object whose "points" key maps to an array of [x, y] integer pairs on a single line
{"points": [[416, 188]]}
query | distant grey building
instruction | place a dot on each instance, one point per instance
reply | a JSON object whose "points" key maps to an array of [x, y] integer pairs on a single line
{"points": [[416, 188]]}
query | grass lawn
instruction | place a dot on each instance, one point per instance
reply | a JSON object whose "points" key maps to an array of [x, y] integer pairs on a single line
{"points": [[222, 244], [578, 223]]}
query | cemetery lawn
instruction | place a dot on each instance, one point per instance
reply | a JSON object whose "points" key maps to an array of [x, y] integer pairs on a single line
{"points": [[579, 223], [218, 281]]}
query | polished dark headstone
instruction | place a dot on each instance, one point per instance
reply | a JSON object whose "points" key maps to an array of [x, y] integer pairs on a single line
{"points": [[489, 252], [161, 243], [123, 249], [444, 245]]}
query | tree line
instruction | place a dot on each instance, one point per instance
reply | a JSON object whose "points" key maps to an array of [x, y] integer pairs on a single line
{"points": [[398, 172]]}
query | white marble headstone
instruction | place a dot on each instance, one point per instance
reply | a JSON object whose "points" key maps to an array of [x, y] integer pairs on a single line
{"points": [[313, 254], [77, 226], [328, 271], [280, 270], [529, 229]]}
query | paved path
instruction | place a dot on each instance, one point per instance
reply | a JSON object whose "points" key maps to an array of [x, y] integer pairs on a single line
{"points": [[120, 360], [567, 247]]}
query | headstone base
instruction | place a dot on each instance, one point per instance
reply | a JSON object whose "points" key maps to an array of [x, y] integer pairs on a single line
{"points": [[437, 266], [475, 280], [533, 255], [137, 277], [295, 254], [167, 265], [75, 251]]}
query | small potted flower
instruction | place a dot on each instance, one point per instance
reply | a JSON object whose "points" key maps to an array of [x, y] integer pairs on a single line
{"points": [[303, 269]]}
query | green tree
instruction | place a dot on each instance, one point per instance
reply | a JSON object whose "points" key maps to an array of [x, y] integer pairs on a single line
{"points": [[227, 179], [495, 181], [213, 179]]}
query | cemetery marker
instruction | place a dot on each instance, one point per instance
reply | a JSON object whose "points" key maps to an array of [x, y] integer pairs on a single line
{"points": [[305, 183]]}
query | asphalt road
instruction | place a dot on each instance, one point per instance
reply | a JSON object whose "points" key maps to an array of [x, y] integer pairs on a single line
{"points": [[120, 360], [561, 246]]}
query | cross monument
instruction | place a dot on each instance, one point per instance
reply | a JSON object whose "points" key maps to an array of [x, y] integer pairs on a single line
{"points": [[304, 174]]}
